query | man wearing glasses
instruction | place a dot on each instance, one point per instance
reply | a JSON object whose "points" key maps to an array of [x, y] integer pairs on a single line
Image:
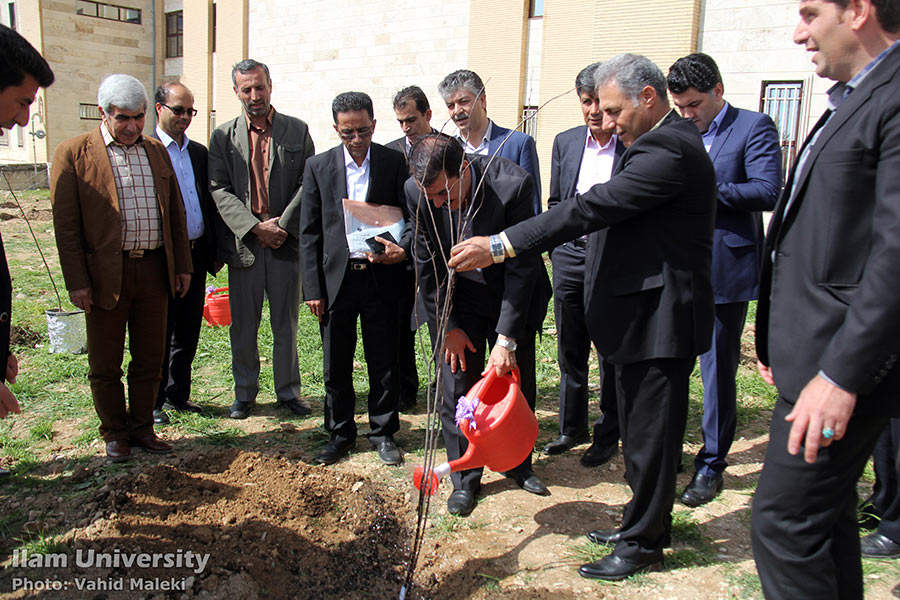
{"points": [[343, 281], [256, 165], [174, 111]]}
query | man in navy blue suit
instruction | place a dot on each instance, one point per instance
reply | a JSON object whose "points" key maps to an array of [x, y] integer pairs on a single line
{"points": [[466, 99], [743, 146]]}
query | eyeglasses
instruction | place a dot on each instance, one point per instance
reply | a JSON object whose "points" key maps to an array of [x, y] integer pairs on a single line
{"points": [[178, 110], [348, 134]]}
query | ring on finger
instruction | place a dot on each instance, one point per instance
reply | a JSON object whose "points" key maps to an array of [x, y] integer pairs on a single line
{"points": [[827, 433]]}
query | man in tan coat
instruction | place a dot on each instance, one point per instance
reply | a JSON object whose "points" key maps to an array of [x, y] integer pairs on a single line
{"points": [[123, 247]]}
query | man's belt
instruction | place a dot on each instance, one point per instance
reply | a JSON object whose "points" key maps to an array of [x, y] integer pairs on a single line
{"points": [[579, 243], [358, 265], [141, 253]]}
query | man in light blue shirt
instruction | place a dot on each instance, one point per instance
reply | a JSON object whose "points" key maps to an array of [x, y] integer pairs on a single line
{"points": [[174, 110]]}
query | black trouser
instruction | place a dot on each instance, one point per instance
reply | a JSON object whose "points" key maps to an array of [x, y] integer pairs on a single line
{"points": [[183, 333], [360, 297], [804, 528], [407, 374], [477, 310], [653, 403], [886, 493], [574, 349]]}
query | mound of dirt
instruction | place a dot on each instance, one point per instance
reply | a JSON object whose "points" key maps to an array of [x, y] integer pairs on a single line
{"points": [[231, 524]]}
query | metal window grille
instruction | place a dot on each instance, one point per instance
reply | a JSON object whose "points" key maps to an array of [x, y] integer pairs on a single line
{"points": [[529, 120], [88, 112], [781, 100], [111, 12]]}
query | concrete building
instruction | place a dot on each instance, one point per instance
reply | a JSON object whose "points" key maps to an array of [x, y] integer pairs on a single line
{"points": [[527, 51]]}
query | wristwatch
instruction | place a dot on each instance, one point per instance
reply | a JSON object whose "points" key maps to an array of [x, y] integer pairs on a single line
{"points": [[508, 343], [498, 255]]}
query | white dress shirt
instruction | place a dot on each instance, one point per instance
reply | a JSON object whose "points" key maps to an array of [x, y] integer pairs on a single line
{"points": [[357, 183], [482, 147]]}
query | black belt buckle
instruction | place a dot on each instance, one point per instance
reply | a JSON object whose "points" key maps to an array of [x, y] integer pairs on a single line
{"points": [[579, 243], [356, 265]]}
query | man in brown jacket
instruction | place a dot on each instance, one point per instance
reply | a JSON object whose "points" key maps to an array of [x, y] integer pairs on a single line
{"points": [[123, 246]]}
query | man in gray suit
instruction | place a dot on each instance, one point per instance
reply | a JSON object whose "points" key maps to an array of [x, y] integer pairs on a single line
{"points": [[256, 166]]}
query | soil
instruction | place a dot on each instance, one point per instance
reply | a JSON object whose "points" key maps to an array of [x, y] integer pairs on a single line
{"points": [[275, 526]]}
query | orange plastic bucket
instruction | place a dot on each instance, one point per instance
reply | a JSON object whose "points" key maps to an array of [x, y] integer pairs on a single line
{"points": [[216, 309], [501, 429]]}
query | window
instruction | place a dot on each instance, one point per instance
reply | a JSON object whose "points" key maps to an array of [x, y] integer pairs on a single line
{"points": [[112, 12], [781, 101], [12, 15], [88, 112], [175, 34], [529, 120], [535, 9]]}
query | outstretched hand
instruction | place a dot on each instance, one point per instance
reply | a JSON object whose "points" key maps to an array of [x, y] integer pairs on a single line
{"points": [[473, 253]]}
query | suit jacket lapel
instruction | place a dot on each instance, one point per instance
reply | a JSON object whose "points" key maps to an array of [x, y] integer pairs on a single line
{"points": [[857, 99], [724, 131], [97, 153], [373, 170], [339, 175], [573, 167]]}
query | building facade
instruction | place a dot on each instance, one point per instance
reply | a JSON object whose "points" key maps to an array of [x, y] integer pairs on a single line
{"points": [[527, 52]]}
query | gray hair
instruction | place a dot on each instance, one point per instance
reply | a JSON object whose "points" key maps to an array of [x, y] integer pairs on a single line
{"points": [[465, 79], [632, 73], [122, 91], [584, 81], [247, 65]]}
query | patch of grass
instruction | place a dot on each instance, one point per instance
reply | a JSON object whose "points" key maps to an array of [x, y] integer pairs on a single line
{"points": [[491, 583], [693, 548], [42, 543], [16, 449], [589, 552], [447, 524], [745, 584], [42, 430]]}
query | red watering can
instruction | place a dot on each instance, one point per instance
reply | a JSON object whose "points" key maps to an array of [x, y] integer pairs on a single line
{"points": [[216, 309], [500, 426]]}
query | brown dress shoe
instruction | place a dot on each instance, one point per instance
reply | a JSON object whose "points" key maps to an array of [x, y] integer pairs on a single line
{"points": [[118, 451], [151, 443]]}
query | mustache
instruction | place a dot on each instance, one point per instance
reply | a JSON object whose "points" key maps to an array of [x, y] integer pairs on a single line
{"points": [[461, 116]]}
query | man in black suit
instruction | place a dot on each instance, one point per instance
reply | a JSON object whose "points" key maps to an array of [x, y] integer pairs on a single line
{"points": [[828, 319], [414, 116], [22, 71], [340, 285], [582, 157], [649, 298], [174, 111], [744, 148], [452, 196]]}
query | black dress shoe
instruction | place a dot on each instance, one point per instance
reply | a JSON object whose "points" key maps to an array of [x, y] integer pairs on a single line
{"points": [[461, 502], [528, 481], [605, 536], [597, 455], [333, 451], [389, 453], [613, 568], [241, 410], [702, 489], [876, 545], [298, 406], [564, 443], [160, 417], [186, 406]]}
